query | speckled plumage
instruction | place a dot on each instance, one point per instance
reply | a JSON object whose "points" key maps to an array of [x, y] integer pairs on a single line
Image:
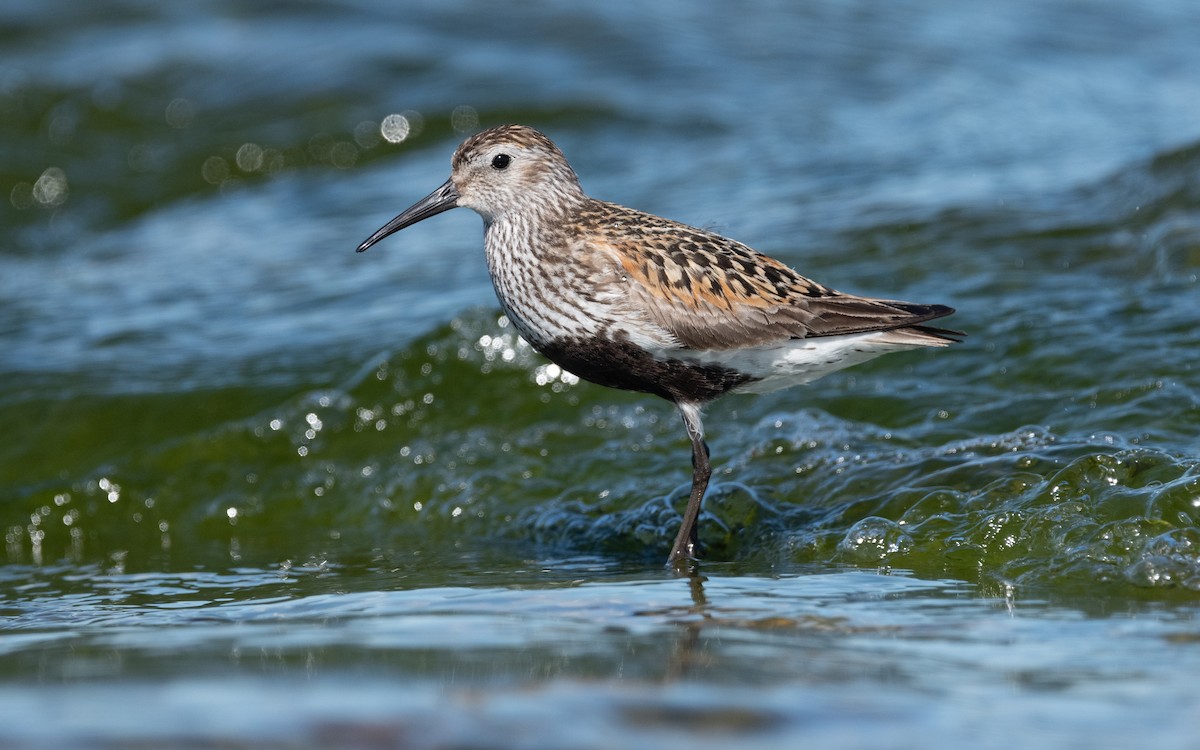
{"points": [[630, 300]]}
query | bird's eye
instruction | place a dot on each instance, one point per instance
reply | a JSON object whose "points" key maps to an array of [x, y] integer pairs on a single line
{"points": [[500, 161]]}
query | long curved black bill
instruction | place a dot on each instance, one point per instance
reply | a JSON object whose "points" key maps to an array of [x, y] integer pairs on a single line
{"points": [[442, 199]]}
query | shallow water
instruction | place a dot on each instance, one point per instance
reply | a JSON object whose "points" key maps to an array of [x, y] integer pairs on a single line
{"points": [[262, 491], [606, 660]]}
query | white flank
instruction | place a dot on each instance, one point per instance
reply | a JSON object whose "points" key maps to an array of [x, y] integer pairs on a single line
{"points": [[800, 361]]}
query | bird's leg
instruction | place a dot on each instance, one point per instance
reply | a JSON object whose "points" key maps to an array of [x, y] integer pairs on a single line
{"points": [[688, 537]]}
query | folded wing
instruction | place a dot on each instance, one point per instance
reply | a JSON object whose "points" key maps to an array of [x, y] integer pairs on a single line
{"points": [[712, 293]]}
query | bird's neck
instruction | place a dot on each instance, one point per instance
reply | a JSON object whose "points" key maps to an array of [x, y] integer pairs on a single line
{"points": [[530, 257], [533, 233]]}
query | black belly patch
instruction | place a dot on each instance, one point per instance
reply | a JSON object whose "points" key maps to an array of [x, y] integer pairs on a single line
{"points": [[618, 363]]}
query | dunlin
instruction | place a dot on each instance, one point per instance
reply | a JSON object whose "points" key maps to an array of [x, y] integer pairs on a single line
{"points": [[630, 300]]}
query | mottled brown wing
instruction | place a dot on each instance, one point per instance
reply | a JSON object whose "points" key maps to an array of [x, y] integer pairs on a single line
{"points": [[711, 292]]}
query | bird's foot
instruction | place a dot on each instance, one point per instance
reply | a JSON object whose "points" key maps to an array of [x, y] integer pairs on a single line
{"points": [[684, 556]]}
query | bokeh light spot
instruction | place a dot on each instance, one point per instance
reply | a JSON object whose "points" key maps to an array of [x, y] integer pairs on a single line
{"points": [[366, 134], [394, 128], [51, 188], [180, 113], [21, 196], [464, 119], [249, 157], [215, 170], [343, 154]]}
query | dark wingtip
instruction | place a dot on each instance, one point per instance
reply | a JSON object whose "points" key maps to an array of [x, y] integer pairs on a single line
{"points": [[933, 312], [949, 334]]}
